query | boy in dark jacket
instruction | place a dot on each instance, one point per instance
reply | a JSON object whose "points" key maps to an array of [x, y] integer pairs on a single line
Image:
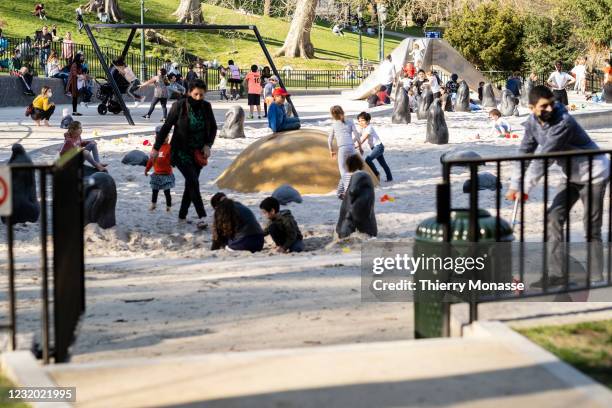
{"points": [[282, 228]]}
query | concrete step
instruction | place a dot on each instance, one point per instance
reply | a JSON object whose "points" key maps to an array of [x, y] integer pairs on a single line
{"points": [[492, 365]]}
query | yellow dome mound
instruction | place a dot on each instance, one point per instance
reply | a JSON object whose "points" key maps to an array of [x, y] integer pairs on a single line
{"points": [[299, 158]]}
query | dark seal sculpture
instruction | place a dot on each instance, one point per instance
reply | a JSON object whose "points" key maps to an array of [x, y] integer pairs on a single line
{"points": [[508, 106], [462, 103], [100, 200], [488, 96], [486, 181], [424, 103], [357, 209], [401, 110], [233, 127], [437, 131], [135, 158], [25, 203], [459, 155], [286, 194]]}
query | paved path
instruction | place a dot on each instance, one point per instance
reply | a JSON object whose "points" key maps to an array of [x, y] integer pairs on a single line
{"points": [[492, 366]]}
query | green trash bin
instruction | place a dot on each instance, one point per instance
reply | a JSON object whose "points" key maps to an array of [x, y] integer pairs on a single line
{"points": [[431, 314]]}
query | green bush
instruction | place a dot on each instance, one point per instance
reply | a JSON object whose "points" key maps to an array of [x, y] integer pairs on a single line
{"points": [[489, 36], [592, 18], [546, 40]]}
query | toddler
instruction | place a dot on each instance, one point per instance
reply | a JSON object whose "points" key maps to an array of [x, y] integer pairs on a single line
{"points": [[162, 177]]}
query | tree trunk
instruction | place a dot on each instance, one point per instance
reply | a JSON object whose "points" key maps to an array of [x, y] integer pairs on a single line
{"points": [[111, 7], [189, 11], [267, 5], [297, 43]]}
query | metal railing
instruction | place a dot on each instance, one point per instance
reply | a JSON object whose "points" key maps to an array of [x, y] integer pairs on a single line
{"points": [[68, 254], [302, 79], [566, 159], [342, 78], [595, 79]]}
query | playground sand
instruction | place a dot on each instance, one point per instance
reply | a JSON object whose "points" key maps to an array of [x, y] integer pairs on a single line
{"points": [[416, 170], [154, 287]]}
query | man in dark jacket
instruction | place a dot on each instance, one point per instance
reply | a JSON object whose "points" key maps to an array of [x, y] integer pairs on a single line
{"points": [[514, 85], [283, 228], [550, 128]]}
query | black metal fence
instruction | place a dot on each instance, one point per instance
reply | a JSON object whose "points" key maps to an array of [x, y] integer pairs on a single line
{"points": [[300, 79], [568, 161], [68, 265], [594, 79]]}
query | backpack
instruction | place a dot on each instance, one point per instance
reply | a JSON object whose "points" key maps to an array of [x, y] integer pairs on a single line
{"points": [[29, 110]]}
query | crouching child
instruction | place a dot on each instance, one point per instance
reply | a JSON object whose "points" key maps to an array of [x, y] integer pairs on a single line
{"points": [[282, 228]]}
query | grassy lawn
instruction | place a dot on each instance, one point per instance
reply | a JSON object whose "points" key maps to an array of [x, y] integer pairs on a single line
{"points": [[332, 52], [586, 346], [5, 384]]}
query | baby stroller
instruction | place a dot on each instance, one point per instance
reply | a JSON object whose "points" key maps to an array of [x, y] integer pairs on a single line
{"points": [[108, 101]]}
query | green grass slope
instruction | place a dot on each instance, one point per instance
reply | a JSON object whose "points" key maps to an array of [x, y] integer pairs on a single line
{"points": [[332, 52]]}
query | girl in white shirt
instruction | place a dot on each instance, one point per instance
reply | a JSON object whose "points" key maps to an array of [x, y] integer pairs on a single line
{"points": [[346, 135]]}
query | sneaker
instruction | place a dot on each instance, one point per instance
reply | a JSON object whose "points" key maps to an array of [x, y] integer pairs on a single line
{"points": [[152, 207], [168, 208], [250, 117], [162, 120], [259, 117], [202, 225], [146, 116], [227, 248], [77, 114]]}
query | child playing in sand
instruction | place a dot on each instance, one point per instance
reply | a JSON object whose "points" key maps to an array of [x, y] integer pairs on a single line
{"points": [[222, 86], [346, 136], [72, 140], [162, 177], [500, 128], [282, 228], [353, 164], [377, 148]]}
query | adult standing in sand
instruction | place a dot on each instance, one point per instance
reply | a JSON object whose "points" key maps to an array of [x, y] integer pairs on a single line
{"points": [[558, 81], [194, 133]]}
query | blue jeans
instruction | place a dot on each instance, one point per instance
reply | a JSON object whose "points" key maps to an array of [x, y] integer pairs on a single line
{"points": [[377, 154], [63, 76], [291, 124]]}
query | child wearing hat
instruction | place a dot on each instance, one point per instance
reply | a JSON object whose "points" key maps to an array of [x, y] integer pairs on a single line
{"points": [[267, 93], [278, 120]]}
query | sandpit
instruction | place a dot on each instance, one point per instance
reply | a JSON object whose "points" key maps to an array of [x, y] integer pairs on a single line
{"points": [[299, 158]]}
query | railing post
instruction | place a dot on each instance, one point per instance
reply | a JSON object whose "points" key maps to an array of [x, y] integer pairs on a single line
{"points": [[44, 265], [11, 276]]}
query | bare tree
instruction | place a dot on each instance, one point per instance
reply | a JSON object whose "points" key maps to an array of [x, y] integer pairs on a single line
{"points": [[297, 43], [189, 11], [110, 7], [266, 8]]}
